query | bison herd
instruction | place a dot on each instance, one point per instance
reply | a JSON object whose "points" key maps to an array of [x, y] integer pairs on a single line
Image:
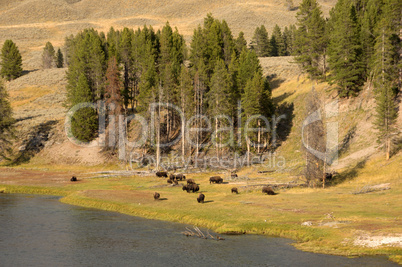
{"points": [[192, 186]]}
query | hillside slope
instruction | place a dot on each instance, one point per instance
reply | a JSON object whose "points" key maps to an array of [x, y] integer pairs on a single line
{"points": [[31, 23]]}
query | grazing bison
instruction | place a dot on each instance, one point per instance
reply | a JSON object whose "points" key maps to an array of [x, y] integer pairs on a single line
{"points": [[216, 180], [201, 198], [191, 187], [73, 179], [234, 190], [180, 177], [190, 181], [268, 190], [233, 175], [156, 195], [169, 181], [161, 174]]}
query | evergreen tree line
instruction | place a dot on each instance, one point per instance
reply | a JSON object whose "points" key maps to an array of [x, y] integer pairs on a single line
{"points": [[280, 43], [51, 58], [131, 69], [346, 48], [359, 44]]}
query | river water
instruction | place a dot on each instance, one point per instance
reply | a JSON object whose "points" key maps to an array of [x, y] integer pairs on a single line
{"points": [[41, 231]]}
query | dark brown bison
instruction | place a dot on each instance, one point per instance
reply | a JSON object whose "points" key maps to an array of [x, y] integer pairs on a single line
{"points": [[234, 190], [216, 180], [156, 195], [73, 179], [268, 190], [161, 174], [233, 175], [201, 198], [190, 181], [169, 181], [191, 187], [180, 177]]}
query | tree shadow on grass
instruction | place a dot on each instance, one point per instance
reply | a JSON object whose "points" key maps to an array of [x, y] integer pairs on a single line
{"points": [[344, 146], [285, 118], [348, 175], [26, 118], [34, 142], [282, 97], [25, 72]]}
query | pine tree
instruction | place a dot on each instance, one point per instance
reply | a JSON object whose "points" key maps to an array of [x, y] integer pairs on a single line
{"points": [[310, 42], [289, 39], [260, 42], [84, 123], [345, 50], [240, 43], [69, 44], [229, 46], [279, 41], [6, 123], [48, 56], [186, 90], [59, 59], [248, 66], [113, 101], [274, 47], [386, 115], [368, 22], [113, 38], [145, 78], [386, 75], [251, 103], [11, 61], [124, 56], [218, 99]]}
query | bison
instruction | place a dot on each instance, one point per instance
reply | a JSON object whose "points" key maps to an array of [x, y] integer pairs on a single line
{"points": [[169, 181], [156, 195], [201, 198], [73, 179], [268, 190], [216, 180], [191, 187], [234, 190], [233, 175], [161, 174], [180, 177], [190, 181]]}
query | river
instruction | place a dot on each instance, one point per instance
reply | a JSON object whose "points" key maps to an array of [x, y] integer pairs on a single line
{"points": [[41, 231]]}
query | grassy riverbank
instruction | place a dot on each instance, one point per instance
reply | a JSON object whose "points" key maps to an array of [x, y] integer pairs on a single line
{"points": [[336, 221]]}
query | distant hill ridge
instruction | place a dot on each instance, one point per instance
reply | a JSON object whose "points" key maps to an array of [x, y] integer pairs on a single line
{"points": [[239, 14]]}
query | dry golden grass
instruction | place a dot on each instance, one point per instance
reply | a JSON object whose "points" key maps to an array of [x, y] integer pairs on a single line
{"points": [[31, 23]]}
